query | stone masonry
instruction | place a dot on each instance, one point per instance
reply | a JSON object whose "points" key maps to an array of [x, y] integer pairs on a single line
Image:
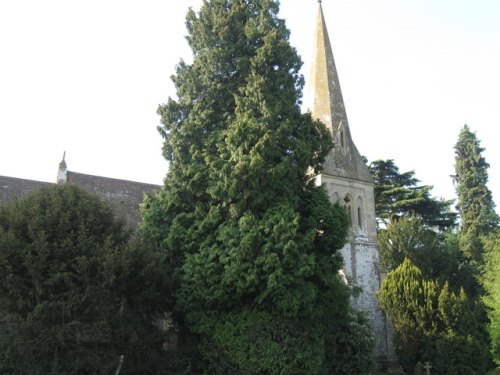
{"points": [[347, 180]]}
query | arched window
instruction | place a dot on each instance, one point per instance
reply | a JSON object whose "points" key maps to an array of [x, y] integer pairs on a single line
{"points": [[333, 194], [342, 138], [360, 213], [348, 206]]}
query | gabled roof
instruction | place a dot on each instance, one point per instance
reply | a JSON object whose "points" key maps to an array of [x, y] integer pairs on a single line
{"points": [[12, 188], [124, 196]]}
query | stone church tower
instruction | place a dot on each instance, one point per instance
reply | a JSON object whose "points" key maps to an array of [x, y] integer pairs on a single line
{"points": [[347, 180]]}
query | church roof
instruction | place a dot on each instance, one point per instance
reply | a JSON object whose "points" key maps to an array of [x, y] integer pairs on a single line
{"points": [[124, 196], [12, 188], [325, 101]]}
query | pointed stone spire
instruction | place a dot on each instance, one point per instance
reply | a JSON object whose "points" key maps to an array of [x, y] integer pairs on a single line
{"points": [[324, 100]]}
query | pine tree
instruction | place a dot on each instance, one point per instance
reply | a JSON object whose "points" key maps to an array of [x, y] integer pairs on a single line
{"points": [[250, 242], [398, 194], [475, 203]]}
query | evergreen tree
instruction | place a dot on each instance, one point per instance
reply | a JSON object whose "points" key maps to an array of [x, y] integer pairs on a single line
{"points": [[250, 242], [433, 323], [475, 203], [398, 194], [408, 237], [491, 282], [74, 295]]}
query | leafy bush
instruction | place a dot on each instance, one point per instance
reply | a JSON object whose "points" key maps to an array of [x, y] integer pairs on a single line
{"points": [[433, 323], [75, 295]]}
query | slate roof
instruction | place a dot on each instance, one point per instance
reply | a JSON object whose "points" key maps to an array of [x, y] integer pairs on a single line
{"points": [[124, 196], [12, 188]]}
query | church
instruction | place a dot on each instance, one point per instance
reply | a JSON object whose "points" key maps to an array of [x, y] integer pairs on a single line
{"points": [[345, 177], [348, 181], [122, 195]]}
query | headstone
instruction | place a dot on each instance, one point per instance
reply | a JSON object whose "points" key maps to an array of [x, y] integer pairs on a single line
{"points": [[428, 368], [418, 369]]}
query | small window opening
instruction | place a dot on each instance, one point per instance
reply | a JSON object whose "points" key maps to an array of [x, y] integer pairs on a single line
{"points": [[347, 201]]}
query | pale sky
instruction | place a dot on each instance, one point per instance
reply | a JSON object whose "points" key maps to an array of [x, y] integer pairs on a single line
{"points": [[86, 77]]}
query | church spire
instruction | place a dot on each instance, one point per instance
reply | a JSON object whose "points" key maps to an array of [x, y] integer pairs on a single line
{"points": [[326, 95], [325, 101]]}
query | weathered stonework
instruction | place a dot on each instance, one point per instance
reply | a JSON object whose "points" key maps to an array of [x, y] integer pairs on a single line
{"points": [[347, 180]]}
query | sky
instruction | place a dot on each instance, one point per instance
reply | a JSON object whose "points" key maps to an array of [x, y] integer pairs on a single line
{"points": [[87, 77]]}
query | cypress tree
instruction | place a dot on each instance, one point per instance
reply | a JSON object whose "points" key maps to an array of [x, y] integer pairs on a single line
{"points": [[491, 282], [475, 203], [249, 241]]}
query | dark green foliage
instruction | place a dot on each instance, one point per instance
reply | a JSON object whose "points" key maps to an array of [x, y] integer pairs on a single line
{"points": [[491, 282], [259, 342], [398, 194], [407, 237], [475, 202], [435, 254], [433, 323], [74, 295], [354, 342], [250, 242], [478, 227]]}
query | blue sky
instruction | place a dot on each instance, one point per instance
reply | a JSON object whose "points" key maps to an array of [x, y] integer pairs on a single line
{"points": [[86, 77]]}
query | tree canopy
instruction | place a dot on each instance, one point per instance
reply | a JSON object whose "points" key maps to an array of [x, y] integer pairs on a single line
{"points": [[475, 202], [74, 295], [409, 238], [398, 194], [433, 323], [250, 242], [491, 282]]}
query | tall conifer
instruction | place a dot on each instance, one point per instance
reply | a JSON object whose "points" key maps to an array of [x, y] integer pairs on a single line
{"points": [[475, 203], [249, 240], [478, 219]]}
